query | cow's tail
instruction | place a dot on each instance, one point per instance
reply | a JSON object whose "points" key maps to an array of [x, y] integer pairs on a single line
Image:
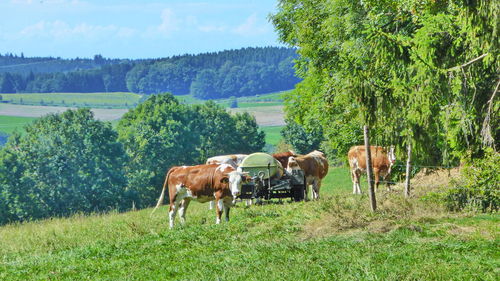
{"points": [[162, 195]]}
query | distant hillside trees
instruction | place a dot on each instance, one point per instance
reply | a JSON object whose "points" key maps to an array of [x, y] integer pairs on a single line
{"points": [[243, 72]]}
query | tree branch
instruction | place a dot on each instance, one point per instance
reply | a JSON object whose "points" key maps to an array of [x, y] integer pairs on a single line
{"points": [[467, 63]]}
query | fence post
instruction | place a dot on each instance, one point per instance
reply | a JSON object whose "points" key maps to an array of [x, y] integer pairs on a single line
{"points": [[408, 171], [369, 171]]}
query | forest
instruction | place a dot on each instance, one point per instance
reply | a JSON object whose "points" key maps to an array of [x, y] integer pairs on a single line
{"points": [[243, 72]]}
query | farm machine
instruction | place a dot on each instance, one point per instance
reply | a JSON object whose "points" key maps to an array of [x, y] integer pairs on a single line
{"points": [[270, 180]]}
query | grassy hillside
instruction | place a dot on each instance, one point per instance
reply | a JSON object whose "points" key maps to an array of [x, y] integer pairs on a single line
{"points": [[333, 238]]}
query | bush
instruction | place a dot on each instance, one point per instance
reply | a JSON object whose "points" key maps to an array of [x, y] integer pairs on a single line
{"points": [[479, 186]]}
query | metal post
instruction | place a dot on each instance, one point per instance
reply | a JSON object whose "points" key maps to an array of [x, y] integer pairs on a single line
{"points": [[369, 170], [408, 171]]}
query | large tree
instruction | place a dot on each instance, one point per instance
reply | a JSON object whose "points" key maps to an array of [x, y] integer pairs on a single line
{"points": [[416, 71], [63, 164]]}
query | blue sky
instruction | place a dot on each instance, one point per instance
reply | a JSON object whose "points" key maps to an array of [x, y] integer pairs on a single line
{"points": [[133, 28]]}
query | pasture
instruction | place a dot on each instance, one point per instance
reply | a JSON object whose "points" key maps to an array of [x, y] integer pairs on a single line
{"points": [[334, 238], [9, 124], [267, 108], [273, 135], [95, 100]]}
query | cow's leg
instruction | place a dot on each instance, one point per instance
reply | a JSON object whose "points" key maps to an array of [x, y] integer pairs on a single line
{"points": [[357, 176], [219, 209], [318, 187], [227, 207], [172, 212], [211, 205], [377, 177], [249, 202], [183, 208], [353, 179]]}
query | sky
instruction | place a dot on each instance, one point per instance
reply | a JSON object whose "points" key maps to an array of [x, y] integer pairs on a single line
{"points": [[133, 28]]}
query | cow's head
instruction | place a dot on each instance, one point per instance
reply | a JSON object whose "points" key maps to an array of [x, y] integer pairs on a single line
{"points": [[235, 179], [292, 164]]}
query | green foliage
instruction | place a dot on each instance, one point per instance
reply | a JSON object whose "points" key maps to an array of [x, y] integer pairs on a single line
{"points": [[161, 132], [302, 141], [479, 187], [415, 71], [63, 164]]}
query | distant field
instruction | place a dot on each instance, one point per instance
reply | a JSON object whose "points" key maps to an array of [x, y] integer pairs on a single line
{"points": [[101, 100], [271, 99], [272, 134], [8, 124]]}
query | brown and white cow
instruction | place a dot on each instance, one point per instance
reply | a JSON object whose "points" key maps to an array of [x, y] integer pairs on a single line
{"points": [[315, 167], [232, 159], [381, 164], [202, 183], [282, 157]]}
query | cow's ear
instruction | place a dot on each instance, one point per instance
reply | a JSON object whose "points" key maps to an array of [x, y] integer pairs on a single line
{"points": [[224, 180]]}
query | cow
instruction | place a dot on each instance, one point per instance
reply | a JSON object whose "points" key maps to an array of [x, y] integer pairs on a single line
{"points": [[315, 167], [381, 164], [233, 159], [282, 157], [202, 183]]}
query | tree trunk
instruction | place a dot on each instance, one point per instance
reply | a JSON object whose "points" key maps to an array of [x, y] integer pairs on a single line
{"points": [[408, 171], [369, 170]]}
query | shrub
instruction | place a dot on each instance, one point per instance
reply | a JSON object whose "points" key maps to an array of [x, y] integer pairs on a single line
{"points": [[479, 187]]}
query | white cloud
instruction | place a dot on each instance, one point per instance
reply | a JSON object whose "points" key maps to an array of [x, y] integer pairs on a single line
{"points": [[169, 23], [251, 27], [61, 30]]}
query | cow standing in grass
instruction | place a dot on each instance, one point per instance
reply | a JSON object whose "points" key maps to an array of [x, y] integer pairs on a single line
{"points": [[202, 183], [381, 164], [315, 167]]}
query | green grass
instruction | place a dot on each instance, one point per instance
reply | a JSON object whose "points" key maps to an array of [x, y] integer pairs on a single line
{"points": [[9, 124], [111, 100], [335, 238], [273, 135], [271, 99]]}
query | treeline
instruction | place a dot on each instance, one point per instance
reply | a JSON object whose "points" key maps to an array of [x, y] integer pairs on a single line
{"points": [[243, 72], [69, 163], [14, 64]]}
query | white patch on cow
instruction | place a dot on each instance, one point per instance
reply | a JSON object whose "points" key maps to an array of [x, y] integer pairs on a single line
{"points": [[222, 167]]}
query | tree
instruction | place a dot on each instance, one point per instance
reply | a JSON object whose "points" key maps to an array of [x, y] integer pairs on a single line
{"points": [[63, 164], [302, 141], [249, 138], [414, 71], [157, 134]]}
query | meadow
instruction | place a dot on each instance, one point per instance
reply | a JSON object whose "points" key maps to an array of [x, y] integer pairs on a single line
{"points": [[273, 135], [9, 124], [99, 100], [335, 238]]}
